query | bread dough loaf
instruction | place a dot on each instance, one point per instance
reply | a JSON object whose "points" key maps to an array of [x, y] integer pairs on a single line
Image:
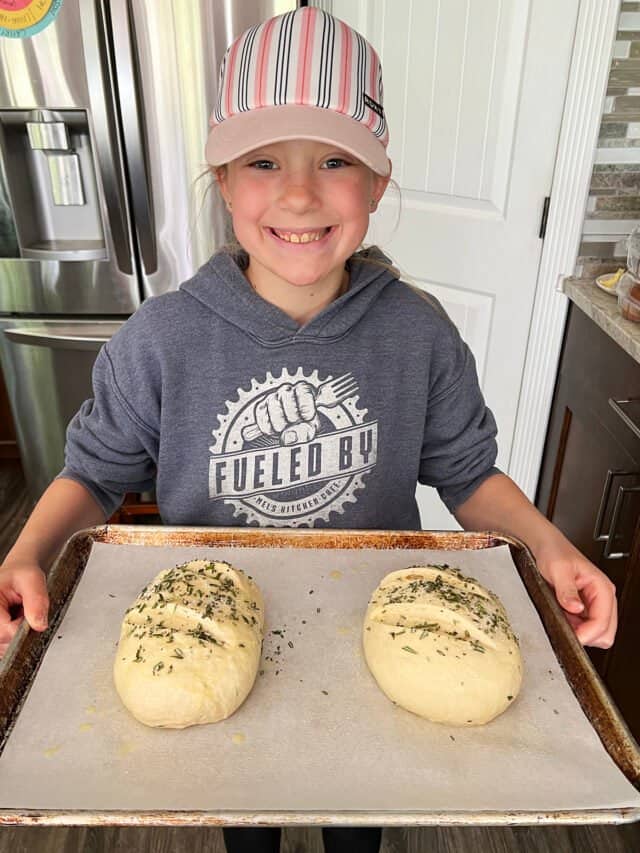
{"points": [[190, 645], [440, 645]]}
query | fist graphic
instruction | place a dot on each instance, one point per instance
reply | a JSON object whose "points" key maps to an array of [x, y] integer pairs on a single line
{"points": [[288, 412], [291, 411]]}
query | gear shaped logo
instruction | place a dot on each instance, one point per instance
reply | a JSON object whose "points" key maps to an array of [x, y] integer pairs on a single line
{"points": [[292, 449]]}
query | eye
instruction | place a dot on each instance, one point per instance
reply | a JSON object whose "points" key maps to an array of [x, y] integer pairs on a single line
{"points": [[262, 165], [336, 162]]}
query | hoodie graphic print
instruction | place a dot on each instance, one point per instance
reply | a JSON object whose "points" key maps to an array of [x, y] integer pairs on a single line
{"points": [[292, 449], [239, 416]]}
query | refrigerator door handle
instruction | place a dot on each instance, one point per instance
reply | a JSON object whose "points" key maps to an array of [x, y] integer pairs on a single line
{"points": [[57, 341], [132, 113], [102, 97]]}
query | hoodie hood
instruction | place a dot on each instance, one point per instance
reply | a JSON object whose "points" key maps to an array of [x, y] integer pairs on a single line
{"points": [[223, 288]]}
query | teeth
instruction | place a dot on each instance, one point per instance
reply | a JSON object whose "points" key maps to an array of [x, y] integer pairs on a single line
{"points": [[307, 237]]}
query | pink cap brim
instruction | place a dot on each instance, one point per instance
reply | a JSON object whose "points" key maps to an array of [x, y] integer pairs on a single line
{"points": [[248, 130]]}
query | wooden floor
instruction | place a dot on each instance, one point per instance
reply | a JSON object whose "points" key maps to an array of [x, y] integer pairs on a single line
{"points": [[14, 508], [623, 839]]}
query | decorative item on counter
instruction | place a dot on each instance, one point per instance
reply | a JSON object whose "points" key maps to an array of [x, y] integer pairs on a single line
{"points": [[628, 291], [633, 252], [609, 281]]}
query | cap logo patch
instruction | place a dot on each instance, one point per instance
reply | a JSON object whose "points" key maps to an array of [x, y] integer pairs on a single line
{"points": [[373, 105]]}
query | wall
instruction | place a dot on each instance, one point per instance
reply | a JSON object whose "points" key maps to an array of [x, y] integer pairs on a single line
{"points": [[613, 207]]}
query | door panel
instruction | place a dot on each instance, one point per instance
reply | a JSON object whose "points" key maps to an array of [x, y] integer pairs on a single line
{"points": [[474, 95]]}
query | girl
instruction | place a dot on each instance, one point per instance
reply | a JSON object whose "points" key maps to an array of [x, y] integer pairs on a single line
{"points": [[294, 380]]}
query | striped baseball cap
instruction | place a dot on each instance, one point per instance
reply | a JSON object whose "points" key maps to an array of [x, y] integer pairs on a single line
{"points": [[301, 75]]}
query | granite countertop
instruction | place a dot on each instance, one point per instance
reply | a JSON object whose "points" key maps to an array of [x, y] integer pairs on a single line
{"points": [[603, 309]]}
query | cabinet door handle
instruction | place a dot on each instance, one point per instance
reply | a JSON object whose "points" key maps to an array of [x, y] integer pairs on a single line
{"points": [[614, 522], [598, 535], [616, 406]]}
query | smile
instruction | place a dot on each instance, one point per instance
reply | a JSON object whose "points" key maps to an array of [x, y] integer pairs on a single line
{"points": [[301, 236]]}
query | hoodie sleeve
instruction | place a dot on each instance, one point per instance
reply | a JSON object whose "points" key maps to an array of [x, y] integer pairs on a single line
{"points": [[459, 446], [110, 448]]}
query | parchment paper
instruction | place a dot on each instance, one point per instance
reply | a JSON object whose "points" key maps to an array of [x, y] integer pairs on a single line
{"points": [[316, 733]]}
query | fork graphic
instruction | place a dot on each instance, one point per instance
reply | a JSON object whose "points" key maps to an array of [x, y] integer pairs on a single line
{"points": [[334, 391], [329, 394]]}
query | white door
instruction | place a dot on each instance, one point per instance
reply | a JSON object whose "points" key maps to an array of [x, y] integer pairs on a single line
{"points": [[474, 93]]}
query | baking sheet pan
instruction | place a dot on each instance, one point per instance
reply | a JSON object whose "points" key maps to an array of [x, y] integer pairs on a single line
{"points": [[316, 741]]}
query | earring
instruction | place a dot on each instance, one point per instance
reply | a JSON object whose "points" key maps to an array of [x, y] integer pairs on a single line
{"points": [[372, 204], [229, 206]]}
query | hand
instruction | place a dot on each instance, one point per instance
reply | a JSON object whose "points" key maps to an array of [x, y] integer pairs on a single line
{"points": [[23, 586], [586, 594], [289, 412], [299, 433]]}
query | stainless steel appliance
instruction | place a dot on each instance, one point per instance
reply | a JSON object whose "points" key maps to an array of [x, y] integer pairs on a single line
{"points": [[103, 119]]}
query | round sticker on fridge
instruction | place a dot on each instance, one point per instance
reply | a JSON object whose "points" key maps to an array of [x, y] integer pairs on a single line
{"points": [[25, 18]]}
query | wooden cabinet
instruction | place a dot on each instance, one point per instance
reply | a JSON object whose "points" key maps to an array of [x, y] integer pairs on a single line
{"points": [[590, 484]]}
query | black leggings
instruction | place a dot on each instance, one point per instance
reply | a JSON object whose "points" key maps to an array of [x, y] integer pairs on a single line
{"points": [[336, 839]]}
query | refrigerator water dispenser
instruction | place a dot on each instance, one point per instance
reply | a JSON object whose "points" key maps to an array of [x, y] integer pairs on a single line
{"points": [[49, 172]]}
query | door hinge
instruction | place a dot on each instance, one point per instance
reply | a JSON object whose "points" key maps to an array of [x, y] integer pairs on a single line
{"points": [[545, 216]]}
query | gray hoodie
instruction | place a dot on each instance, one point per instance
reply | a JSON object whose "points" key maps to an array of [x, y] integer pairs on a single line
{"points": [[239, 416]]}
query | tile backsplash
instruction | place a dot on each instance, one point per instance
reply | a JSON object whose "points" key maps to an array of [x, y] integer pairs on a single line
{"points": [[613, 206]]}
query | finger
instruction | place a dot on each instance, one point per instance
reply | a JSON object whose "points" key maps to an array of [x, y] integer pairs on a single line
{"points": [[605, 641], [4, 646], [306, 400], [32, 587], [289, 403], [568, 596], [599, 597], [262, 418], [9, 630], [573, 619], [599, 594], [613, 622], [288, 436], [275, 411]]}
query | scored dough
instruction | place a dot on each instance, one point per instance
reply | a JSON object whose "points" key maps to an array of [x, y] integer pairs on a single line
{"points": [[440, 645], [190, 645]]}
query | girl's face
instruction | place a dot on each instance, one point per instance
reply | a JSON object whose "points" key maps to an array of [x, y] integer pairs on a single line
{"points": [[300, 208]]}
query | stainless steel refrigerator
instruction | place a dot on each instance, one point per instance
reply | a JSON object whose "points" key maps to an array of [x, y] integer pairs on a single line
{"points": [[103, 120]]}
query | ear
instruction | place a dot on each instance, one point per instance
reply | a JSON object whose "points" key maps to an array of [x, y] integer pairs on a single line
{"points": [[220, 175], [379, 186]]}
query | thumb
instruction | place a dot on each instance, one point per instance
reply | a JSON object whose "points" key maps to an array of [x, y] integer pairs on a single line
{"points": [[32, 587], [569, 598]]}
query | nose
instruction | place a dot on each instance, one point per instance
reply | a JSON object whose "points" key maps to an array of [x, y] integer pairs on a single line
{"points": [[299, 193]]}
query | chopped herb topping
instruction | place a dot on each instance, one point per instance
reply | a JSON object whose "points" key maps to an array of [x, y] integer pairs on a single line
{"points": [[210, 589], [454, 590]]}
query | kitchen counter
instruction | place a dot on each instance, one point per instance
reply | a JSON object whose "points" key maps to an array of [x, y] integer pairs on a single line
{"points": [[603, 309]]}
